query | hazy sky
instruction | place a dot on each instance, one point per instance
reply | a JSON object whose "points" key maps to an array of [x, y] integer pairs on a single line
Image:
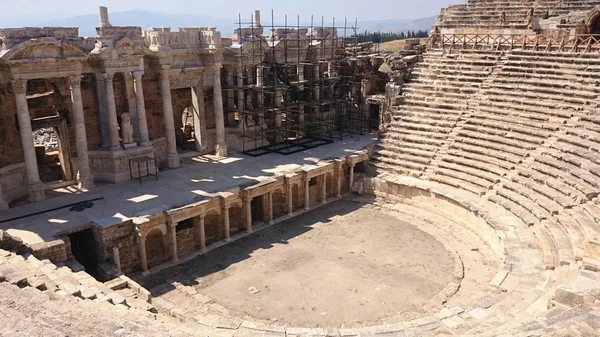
{"points": [[363, 9]]}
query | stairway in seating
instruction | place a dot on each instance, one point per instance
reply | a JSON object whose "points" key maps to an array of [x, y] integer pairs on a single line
{"points": [[432, 104]]}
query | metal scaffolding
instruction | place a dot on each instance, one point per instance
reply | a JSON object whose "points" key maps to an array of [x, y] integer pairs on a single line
{"points": [[297, 88]]}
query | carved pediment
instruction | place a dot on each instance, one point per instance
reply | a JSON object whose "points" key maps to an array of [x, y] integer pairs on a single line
{"points": [[43, 49], [128, 47]]}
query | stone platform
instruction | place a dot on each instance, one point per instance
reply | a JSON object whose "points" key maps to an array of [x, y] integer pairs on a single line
{"points": [[198, 177]]}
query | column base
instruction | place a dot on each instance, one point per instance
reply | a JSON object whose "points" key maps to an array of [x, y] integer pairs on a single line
{"points": [[221, 150], [271, 223], [228, 240], [307, 208], [145, 144], [86, 184], [173, 160], [36, 192]]}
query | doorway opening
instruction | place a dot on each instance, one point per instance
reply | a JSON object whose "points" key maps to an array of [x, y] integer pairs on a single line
{"points": [[256, 207], [83, 248]]}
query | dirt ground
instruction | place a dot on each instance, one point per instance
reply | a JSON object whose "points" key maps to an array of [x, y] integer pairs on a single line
{"points": [[345, 263]]}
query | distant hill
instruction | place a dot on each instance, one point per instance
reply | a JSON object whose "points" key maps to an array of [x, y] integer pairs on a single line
{"points": [[87, 23], [398, 26]]}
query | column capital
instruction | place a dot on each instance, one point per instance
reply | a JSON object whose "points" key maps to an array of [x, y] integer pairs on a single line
{"points": [[172, 225], [137, 74], [75, 81], [19, 86], [108, 77]]}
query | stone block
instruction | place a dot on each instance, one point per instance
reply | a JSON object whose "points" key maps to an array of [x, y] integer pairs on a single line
{"points": [[568, 297]]}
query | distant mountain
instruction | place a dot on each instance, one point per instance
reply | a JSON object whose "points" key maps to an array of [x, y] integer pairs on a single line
{"points": [[87, 23], [398, 26]]}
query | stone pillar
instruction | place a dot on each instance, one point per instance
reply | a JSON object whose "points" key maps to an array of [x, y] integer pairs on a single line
{"points": [[165, 91], [201, 233], [226, 223], [270, 201], [199, 116], [84, 177], [113, 123], [143, 257], [339, 180], [259, 85], [104, 17], [35, 187], [240, 85], [230, 94], [221, 148], [317, 75], [102, 110], [278, 101], [144, 138], [324, 189], [248, 211], [173, 230], [130, 91], [301, 76], [290, 199], [351, 176], [307, 193], [117, 258]]}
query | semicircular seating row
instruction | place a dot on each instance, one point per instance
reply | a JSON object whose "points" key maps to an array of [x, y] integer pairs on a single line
{"points": [[518, 129], [486, 13]]}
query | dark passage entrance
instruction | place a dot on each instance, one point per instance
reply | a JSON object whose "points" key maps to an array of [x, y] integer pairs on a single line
{"points": [[257, 209], [83, 247]]}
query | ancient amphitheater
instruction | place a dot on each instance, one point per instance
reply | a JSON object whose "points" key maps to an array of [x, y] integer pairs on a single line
{"points": [[292, 181]]}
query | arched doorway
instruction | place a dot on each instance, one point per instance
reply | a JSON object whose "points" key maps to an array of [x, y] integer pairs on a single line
{"points": [[155, 248], [236, 220]]}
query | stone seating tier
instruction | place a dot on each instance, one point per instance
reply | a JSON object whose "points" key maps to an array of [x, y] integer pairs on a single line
{"points": [[524, 137]]}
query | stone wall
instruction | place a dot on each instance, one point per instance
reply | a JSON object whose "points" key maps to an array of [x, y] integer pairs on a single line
{"points": [[154, 106], [124, 237], [10, 139]]}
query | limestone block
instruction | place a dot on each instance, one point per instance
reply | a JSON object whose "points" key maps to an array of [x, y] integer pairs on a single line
{"points": [[568, 297]]}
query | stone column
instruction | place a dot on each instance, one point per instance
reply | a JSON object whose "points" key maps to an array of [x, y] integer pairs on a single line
{"points": [[199, 116], [278, 101], [351, 176], [339, 179], [144, 138], [230, 94], [259, 86], [290, 199], [324, 189], [102, 110], [306, 193], [226, 223], [84, 177], [270, 197], [201, 233], [143, 257], [117, 258], [240, 85], [130, 91], [317, 75], [248, 211], [221, 148], [301, 76], [173, 230], [35, 187], [113, 123], [165, 91]]}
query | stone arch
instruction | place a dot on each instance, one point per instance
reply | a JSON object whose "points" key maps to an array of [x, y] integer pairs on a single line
{"points": [[212, 227], [592, 21], [155, 242]]}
